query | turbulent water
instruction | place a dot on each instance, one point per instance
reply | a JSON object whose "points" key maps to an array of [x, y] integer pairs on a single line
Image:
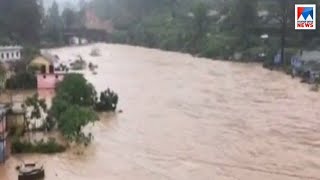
{"points": [[191, 118]]}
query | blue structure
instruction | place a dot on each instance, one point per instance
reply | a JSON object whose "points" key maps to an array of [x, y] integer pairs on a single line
{"points": [[3, 134], [277, 59], [2, 150], [296, 62]]}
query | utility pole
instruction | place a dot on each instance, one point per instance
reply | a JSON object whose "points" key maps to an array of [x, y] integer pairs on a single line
{"points": [[284, 7]]}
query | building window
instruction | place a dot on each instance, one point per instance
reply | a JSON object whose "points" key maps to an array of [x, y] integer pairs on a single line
{"points": [[57, 76], [8, 55], [51, 69], [44, 76], [43, 69], [17, 53], [12, 55], [2, 56]]}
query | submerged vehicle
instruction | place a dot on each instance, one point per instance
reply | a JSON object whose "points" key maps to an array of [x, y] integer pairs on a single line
{"points": [[30, 171]]}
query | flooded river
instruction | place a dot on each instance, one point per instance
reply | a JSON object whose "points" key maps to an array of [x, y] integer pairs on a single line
{"points": [[187, 118]]}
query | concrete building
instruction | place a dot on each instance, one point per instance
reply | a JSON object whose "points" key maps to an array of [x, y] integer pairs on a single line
{"points": [[43, 64], [48, 76], [10, 53]]}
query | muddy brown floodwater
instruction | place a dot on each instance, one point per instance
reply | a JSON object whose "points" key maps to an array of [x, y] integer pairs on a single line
{"points": [[189, 118]]}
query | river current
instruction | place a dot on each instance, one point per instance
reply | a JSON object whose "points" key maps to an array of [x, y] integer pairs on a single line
{"points": [[187, 118]]}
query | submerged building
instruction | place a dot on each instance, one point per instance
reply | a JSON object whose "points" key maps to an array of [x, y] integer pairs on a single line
{"points": [[48, 75]]}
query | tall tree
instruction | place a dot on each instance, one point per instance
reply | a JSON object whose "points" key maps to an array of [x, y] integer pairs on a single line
{"points": [[20, 21], [200, 24], [69, 18], [54, 25], [244, 19]]}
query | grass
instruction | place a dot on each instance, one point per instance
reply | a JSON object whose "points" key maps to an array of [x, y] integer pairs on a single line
{"points": [[49, 147]]}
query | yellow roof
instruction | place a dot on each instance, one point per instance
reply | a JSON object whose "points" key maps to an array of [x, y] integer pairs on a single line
{"points": [[40, 60]]}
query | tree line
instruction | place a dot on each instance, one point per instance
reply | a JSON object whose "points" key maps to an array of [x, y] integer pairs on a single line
{"points": [[214, 29], [29, 24]]}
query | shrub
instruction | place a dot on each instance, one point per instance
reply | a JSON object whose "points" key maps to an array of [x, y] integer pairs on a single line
{"points": [[288, 53], [74, 89], [119, 37], [73, 120], [219, 46], [16, 131], [49, 147], [49, 123], [37, 105], [252, 54], [72, 107], [108, 101]]}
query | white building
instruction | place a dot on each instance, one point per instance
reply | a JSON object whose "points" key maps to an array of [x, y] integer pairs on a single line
{"points": [[10, 53], [74, 40]]}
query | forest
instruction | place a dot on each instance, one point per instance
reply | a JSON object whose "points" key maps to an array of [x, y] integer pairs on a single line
{"points": [[217, 29]]}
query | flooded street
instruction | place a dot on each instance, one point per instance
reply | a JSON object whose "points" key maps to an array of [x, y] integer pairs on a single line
{"points": [[187, 118]]}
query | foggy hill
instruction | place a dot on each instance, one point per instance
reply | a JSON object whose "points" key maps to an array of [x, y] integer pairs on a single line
{"points": [[62, 3]]}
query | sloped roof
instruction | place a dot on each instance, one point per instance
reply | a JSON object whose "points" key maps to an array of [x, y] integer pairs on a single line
{"points": [[40, 60]]}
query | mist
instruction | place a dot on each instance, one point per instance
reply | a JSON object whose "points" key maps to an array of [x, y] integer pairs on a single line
{"points": [[73, 4]]}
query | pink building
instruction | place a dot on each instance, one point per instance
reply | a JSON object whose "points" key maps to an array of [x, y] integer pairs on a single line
{"points": [[47, 77], [49, 81]]}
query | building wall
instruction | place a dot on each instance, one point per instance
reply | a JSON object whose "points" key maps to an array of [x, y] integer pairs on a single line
{"points": [[15, 121], [10, 53], [2, 126], [41, 61], [48, 81]]}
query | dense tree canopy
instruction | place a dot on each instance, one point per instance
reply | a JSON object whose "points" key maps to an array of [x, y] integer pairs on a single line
{"points": [[20, 22], [212, 28], [76, 90], [72, 106], [73, 120], [53, 25], [186, 25]]}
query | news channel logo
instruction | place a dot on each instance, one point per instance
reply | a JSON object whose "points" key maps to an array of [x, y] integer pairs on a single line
{"points": [[305, 17]]}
